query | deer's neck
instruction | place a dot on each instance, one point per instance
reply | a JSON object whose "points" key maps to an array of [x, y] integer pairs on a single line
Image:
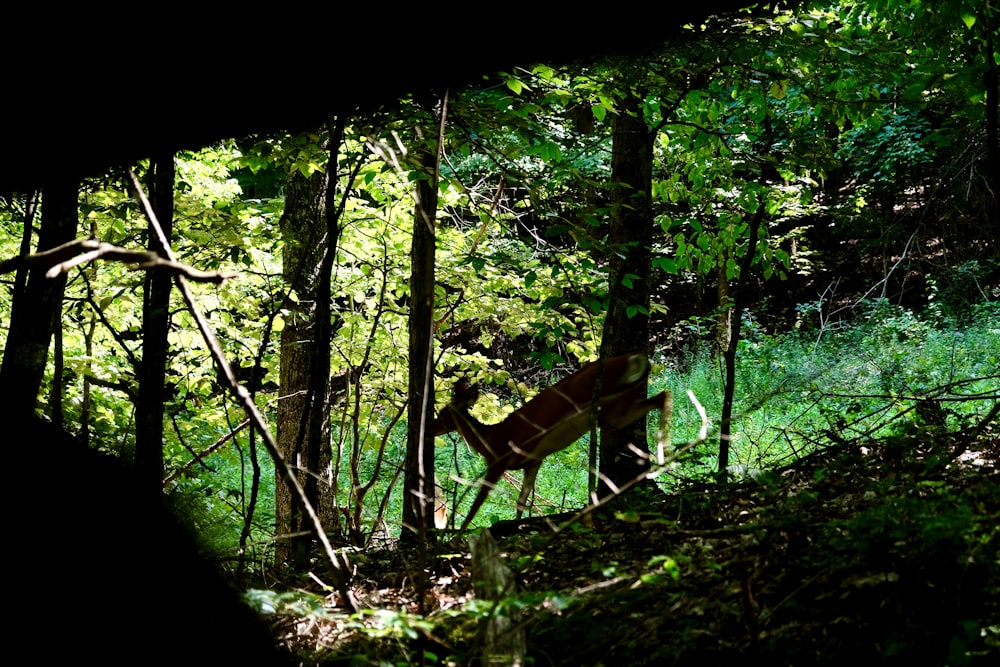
{"points": [[475, 433]]}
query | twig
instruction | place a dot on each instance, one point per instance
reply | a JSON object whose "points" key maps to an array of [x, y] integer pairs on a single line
{"points": [[198, 457]]}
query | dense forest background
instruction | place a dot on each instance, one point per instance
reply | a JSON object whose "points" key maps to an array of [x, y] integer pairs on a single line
{"points": [[795, 214]]}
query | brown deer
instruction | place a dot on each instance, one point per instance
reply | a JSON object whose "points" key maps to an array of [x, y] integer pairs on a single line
{"points": [[550, 421]]}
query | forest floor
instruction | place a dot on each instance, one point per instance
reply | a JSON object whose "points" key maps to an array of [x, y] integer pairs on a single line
{"points": [[888, 554]]}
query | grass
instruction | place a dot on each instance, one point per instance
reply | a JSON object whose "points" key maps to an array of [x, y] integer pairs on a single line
{"points": [[869, 379], [883, 375]]}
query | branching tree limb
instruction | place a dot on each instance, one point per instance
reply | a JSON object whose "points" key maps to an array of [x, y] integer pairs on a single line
{"points": [[61, 259]]}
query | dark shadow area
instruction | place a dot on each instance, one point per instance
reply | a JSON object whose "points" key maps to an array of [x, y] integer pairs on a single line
{"points": [[103, 573]]}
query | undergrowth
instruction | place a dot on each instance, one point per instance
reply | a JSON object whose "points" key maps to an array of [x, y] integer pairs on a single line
{"points": [[883, 554], [881, 376]]}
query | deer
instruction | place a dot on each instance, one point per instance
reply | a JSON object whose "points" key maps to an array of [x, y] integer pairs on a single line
{"points": [[551, 421]]}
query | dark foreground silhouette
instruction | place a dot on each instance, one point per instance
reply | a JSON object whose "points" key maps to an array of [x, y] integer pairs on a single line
{"points": [[98, 570]]}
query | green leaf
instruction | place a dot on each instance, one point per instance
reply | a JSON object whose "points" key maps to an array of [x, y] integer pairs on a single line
{"points": [[731, 269], [628, 280], [968, 18], [665, 264], [632, 311], [516, 85]]}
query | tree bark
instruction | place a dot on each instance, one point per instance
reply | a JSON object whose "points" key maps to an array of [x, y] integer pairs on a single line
{"points": [[37, 308], [303, 226], [724, 309], [418, 481], [991, 81], [738, 292], [155, 327], [626, 325]]}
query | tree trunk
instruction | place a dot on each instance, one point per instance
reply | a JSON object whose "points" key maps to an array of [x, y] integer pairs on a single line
{"points": [[37, 308], [724, 309], [626, 325], [991, 81], [303, 226], [738, 293], [418, 482], [155, 327]]}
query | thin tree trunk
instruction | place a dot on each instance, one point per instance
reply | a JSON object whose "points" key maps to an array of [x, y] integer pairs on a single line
{"points": [[155, 329], [37, 308], [56, 389], [991, 81], [85, 399], [418, 481], [320, 485], [738, 293], [724, 309], [626, 325]]}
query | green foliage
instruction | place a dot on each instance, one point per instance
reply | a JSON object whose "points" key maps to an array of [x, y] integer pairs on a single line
{"points": [[101, 343], [753, 112], [215, 494], [934, 539], [861, 382], [887, 151], [299, 603], [867, 380]]}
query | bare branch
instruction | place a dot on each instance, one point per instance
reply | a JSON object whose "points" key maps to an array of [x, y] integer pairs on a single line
{"points": [[61, 259], [246, 401]]}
